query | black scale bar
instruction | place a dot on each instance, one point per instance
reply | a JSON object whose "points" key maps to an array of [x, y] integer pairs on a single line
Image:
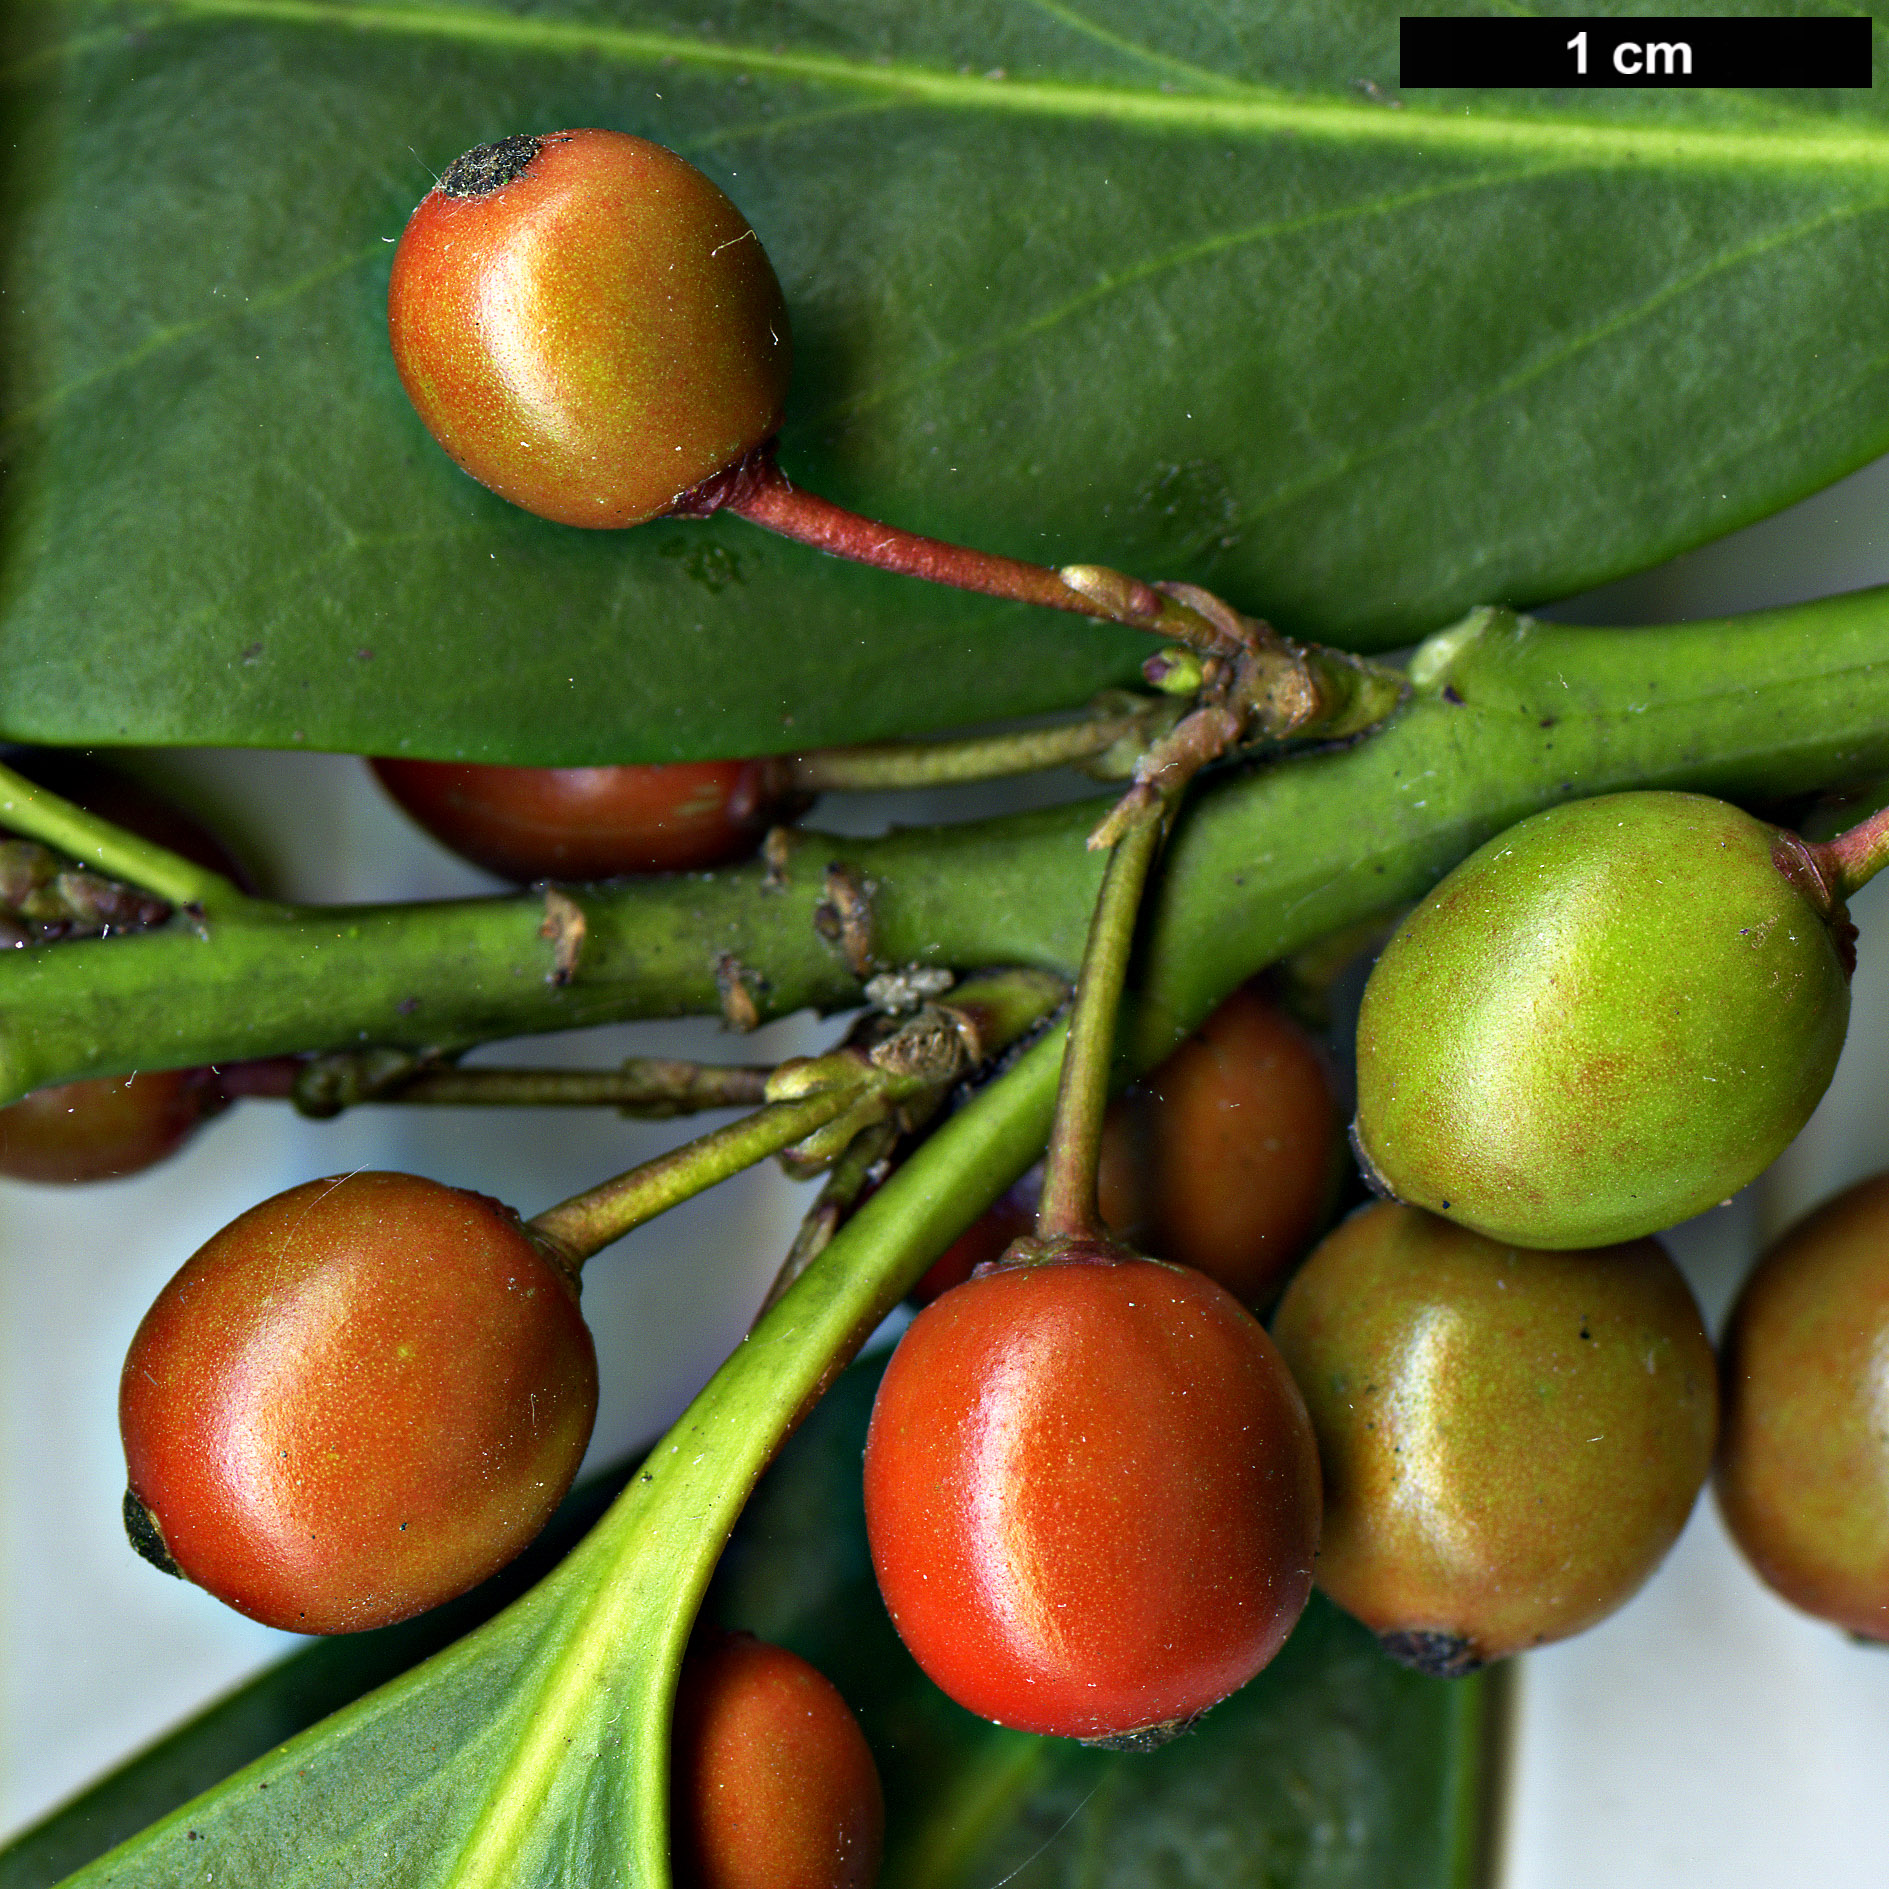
{"points": [[1614, 52]]}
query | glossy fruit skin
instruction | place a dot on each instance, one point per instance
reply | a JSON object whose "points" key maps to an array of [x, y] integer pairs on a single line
{"points": [[106, 1126], [1092, 1495], [529, 823], [774, 1784], [1227, 1158], [359, 1399], [1604, 1021], [1511, 1439], [593, 337], [1803, 1472]]}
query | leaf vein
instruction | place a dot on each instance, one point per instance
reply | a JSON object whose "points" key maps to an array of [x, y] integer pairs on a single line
{"points": [[1119, 281], [1120, 42], [1244, 111], [171, 334], [1340, 465]]}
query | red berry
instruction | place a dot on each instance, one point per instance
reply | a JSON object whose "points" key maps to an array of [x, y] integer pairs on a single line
{"points": [[587, 325], [1227, 1158], [110, 1125], [356, 1401], [529, 823], [775, 1787], [1092, 1495]]}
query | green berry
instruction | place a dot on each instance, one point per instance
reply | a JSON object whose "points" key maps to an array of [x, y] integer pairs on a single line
{"points": [[1607, 1019]]}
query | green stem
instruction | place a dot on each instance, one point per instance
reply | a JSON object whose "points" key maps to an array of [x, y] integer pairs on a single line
{"points": [[1507, 716], [853, 1088], [41, 815], [586, 1223], [652, 1088], [1069, 1210], [877, 766], [837, 1198]]}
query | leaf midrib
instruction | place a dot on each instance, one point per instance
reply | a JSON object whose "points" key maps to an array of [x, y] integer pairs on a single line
{"points": [[1241, 110]]}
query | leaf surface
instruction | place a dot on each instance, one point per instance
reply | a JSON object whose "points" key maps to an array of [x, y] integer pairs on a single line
{"points": [[1182, 286], [280, 1701]]}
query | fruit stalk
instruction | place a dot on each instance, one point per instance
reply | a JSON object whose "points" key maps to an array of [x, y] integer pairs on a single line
{"points": [[588, 1222], [1121, 721], [1852, 859], [756, 489], [39, 814], [652, 1088], [854, 1087], [862, 1160], [1069, 1209]]}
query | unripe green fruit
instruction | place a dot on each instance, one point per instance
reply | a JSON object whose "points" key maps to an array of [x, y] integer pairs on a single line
{"points": [[356, 1401], [587, 325], [1803, 1477], [1607, 1019], [1511, 1440]]}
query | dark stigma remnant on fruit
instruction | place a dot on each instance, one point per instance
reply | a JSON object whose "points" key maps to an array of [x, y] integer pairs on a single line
{"points": [[489, 167], [1439, 1655], [142, 1531]]}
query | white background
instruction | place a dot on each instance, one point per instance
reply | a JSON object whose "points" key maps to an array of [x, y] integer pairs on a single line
{"points": [[1705, 1735]]}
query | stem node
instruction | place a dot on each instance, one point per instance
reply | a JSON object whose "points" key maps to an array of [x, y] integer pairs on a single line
{"points": [[736, 987], [563, 929], [844, 918]]}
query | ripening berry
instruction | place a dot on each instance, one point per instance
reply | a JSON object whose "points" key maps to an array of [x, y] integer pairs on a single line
{"points": [[356, 1401], [1092, 1495], [529, 823], [587, 325], [1511, 1439], [774, 1785]]}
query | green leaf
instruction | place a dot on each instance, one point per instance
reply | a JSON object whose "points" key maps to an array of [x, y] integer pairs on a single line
{"points": [[279, 1702], [1158, 283]]}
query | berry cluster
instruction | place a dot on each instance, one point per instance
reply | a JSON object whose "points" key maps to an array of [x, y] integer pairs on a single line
{"points": [[1098, 1489]]}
